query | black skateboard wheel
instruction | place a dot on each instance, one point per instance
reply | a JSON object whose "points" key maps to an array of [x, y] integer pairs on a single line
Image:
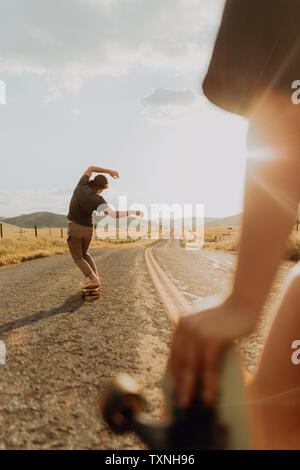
{"points": [[91, 295], [121, 402]]}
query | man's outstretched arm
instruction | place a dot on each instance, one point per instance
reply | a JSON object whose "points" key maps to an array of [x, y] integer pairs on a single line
{"points": [[97, 169], [122, 214]]}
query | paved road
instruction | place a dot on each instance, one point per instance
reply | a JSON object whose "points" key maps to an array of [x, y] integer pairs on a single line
{"points": [[202, 273], [61, 349]]}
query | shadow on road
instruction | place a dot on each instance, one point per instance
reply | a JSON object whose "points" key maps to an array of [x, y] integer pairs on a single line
{"points": [[71, 304]]}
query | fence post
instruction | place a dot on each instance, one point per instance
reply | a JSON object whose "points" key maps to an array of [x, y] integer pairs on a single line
{"points": [[21, 233], [1, 230], [35, 230], [62, 233], [50, 232]]}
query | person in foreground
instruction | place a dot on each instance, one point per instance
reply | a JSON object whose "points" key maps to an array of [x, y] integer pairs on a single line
{"points": [[85, 200], [252, 74]]}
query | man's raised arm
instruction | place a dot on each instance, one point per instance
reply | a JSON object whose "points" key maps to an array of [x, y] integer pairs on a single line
{"points": [[98, 169]]}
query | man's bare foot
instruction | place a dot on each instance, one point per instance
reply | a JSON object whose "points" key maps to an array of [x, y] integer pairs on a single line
{"points": [[90, 285], [91, 282]]}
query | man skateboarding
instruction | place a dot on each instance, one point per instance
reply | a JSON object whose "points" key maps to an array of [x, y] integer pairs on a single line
{"points": [[85, 200]]}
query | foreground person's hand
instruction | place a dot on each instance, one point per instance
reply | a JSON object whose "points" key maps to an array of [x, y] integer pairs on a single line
{"points": [[197, 347]]}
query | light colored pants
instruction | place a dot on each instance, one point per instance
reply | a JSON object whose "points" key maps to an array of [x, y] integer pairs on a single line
{"points": [[79, 240]]}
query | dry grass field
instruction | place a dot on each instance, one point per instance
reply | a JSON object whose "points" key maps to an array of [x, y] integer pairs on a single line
{"points": [[21, 244], [222, 238], [225, 239]]}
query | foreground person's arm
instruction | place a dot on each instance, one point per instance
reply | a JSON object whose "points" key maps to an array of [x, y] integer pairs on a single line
{"points": [[271, 199]]}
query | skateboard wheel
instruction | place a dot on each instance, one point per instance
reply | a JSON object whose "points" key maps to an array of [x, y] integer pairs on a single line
{"points": [[120, 403], [91, 295]]}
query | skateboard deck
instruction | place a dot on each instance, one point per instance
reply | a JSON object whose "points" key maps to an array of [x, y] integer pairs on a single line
{"points": [[222, 427], [90, 294]]}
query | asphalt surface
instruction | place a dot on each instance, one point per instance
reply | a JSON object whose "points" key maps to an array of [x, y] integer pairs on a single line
{"points": [[61, 351], [199, 274]]}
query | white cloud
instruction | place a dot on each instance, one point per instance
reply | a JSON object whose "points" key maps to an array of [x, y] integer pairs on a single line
{"points": [[164, 104], [164, 97], [73, 40], [76, 112], [16, 202]]}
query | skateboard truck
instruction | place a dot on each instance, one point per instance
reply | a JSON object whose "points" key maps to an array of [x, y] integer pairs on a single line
{"points": [[197, 427], [123, 408]]}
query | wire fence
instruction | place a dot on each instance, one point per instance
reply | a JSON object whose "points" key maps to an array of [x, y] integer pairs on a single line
{"points": [[111, 235], [31, 232], [61, 232], [34, 232]]}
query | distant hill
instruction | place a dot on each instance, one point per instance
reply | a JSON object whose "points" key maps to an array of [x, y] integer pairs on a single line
{"points": [[49, 219], [40, 219], [210, 220], [227, 221]]}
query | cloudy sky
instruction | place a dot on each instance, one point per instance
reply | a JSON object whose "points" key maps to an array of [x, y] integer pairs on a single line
{"points": [[114, 83]]}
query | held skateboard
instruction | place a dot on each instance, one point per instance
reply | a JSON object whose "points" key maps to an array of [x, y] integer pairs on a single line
{"points": [[197, 427]]}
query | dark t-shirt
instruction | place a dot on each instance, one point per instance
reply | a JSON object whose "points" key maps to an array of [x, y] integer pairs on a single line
{"points": [[257, 49], [84, 202]]}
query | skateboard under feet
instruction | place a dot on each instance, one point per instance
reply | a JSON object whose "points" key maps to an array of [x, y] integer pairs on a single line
{"points": [[90, 294]]}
